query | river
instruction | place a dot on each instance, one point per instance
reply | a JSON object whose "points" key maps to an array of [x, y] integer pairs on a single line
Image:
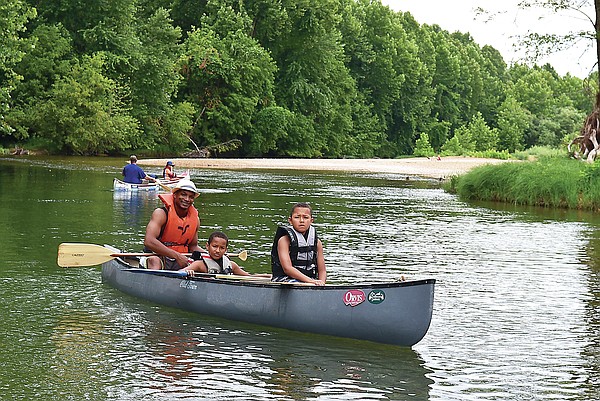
{"points": [[516, 310]]}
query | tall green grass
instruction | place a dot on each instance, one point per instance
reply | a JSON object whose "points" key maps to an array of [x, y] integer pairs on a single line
{"points": [[556, 182]]}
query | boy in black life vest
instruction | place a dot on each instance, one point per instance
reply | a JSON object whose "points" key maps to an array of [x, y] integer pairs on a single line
{"points": [[297, 253], [216, 261]]}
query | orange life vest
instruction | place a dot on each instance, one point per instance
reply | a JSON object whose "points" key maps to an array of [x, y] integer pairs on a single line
{"points": [[178, 232]]}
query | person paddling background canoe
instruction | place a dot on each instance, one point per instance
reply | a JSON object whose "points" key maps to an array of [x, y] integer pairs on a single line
{"points": [[168, 171], [133, 174], [173, 230], [297, 253]]}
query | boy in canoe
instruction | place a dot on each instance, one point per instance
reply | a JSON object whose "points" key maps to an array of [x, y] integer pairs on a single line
{"points": [[297, 253], [173, 230], [215, 261]]}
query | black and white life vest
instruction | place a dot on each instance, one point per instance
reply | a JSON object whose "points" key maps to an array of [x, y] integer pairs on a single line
{"points": [[303, 252]]}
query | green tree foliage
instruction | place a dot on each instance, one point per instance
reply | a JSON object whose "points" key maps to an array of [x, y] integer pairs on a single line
{"points": [[423, 147], [513, 121], [464, 141], [228, 77], [485, 138], [270, 129], [312, 80], [153, 77], [83, 113], [542, 43], [48, 60], [564, 121], [13, 17], [493, 70], [452, 147], [287, 78]]}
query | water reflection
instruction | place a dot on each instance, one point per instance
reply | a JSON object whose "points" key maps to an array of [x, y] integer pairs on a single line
{"points": [[515, 312], [133, 209], [179, 354], [591, 352], [78, 360]]}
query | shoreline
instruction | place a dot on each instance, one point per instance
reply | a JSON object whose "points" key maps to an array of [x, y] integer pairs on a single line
{"points": [[416, 166]]}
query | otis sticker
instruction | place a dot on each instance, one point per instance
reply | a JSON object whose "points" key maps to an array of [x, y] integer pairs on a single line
{"points": [[376, 296], [354, 297]]}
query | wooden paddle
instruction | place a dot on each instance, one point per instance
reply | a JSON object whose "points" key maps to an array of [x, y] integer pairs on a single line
{"points": [[78, 254], [165, 187]]}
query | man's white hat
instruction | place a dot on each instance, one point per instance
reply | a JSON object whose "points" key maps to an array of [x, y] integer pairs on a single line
{"points": [[186, 185]]}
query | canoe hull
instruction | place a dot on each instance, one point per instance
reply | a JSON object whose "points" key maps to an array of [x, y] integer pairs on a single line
{"points": [[119, 185], [390, 313]]}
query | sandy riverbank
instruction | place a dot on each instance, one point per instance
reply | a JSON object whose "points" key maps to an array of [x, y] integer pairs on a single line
{"points": [[417, 166]]}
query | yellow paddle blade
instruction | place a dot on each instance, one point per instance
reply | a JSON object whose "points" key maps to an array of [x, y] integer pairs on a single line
{"points": [[77, 254], [243, 255]]}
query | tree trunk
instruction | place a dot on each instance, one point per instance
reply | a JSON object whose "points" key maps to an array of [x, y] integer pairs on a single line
{"points": [[597, 28]]}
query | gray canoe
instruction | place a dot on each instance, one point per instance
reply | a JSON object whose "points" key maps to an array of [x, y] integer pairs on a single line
{"points": [[396, 313]]}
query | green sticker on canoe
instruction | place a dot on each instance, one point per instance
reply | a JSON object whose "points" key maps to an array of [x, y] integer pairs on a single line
{"points": [[376, 296]]}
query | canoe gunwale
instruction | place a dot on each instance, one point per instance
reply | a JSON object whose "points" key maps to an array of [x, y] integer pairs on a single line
{"points": [[262, 282]]}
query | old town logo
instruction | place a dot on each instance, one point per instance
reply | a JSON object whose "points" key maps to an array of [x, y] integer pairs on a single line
{"points": [[354, 297], [376, 296]]}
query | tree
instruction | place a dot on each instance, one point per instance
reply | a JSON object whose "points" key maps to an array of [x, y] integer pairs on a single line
{"points": [[48, 59], [513, 121], [84, 113], [15, 15], [423, 147], [153, 79], [465, 139], [312, 80], [538, 44], [227, 75], [485, 138]]}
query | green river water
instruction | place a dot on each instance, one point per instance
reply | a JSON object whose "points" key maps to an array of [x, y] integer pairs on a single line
{"points": [[516, 312]]}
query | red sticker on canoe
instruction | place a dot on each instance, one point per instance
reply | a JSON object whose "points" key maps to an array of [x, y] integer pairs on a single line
{"points": [[354, 297]]}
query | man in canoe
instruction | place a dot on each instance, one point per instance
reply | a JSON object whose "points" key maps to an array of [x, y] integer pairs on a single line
{"points": [[173, 230], [133, 174], [297, 253]]}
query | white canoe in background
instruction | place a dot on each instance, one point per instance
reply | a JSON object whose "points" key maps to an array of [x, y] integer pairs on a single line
{"points": [[119, 185]]}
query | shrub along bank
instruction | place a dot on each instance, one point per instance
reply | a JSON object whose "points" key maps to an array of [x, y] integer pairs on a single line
{"points": [[556, 182]]}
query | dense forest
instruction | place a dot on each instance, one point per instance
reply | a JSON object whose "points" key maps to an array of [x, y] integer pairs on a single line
{"points": [[269, 78]]}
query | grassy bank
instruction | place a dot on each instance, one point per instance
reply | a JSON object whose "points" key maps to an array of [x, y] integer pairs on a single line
{"points": [[550, 182]]}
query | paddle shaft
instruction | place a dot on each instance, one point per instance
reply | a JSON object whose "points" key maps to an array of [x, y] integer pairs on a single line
{"points": [[134, 254], [78, 254]]}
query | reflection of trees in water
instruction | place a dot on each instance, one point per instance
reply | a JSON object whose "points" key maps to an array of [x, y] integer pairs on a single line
{"points": [[133, 210], [240, 361], [80, 346], [592, 350], [349, 369], [173, 352]]}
